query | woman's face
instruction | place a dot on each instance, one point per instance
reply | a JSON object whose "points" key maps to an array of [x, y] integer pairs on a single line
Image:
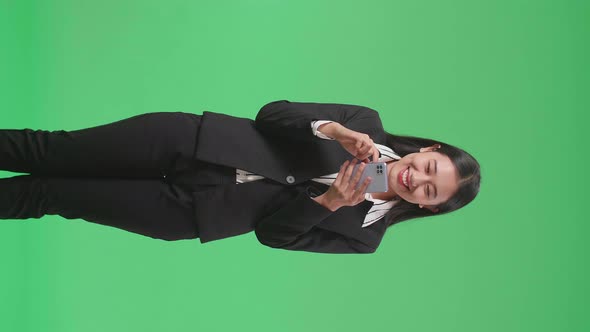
{"points": [[431, 176]]}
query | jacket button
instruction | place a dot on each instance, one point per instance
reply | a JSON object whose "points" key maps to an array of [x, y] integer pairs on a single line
{"points": [[290, 179]]}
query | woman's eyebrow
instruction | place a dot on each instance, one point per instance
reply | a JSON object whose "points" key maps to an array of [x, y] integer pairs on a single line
{"points": [[435, 169]]}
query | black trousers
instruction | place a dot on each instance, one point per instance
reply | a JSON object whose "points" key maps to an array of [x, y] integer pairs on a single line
{"points": [[135, 174]]}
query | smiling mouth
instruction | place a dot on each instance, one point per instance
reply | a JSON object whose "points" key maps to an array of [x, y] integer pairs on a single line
{"points": [[400, 178]]}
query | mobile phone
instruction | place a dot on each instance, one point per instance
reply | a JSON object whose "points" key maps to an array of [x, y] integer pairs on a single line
{"points": [[378, 173]]}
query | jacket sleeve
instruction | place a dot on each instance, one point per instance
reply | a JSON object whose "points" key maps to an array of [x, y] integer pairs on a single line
{"points": [[292, 227], [292, 119]]}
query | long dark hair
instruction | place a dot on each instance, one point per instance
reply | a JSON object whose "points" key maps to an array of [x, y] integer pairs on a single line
{"points": [[469, 178]]}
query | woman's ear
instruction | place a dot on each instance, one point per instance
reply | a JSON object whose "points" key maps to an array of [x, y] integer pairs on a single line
{"points": [[430, 148], [433, 209]]}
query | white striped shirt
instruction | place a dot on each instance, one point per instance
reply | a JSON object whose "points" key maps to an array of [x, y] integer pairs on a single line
{"points": [[379, 208]]}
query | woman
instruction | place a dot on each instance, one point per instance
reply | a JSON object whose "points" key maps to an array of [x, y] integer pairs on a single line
{"points": [[284, 175]]}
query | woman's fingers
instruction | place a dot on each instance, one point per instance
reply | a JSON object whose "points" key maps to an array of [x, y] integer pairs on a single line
{"points": [[375, 154], [340, 175], [372, 151], [344, 174], [362, 189], [362, 152], [357, 175], [366, 149], [346, 184], [367, 153], [346, 178], [352, 189], [359, 145]]}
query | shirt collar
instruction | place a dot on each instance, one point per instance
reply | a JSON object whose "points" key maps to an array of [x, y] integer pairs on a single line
{"points": [[386, 153]]}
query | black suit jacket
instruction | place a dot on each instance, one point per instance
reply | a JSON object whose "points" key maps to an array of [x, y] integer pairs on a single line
{"points": [[279, 145]]}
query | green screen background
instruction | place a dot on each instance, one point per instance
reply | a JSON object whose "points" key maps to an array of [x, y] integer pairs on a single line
{"points": [[506, 80]]}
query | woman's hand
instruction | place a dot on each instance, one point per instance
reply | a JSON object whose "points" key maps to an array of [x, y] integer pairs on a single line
{"points": [[342, 191], [359, 145]]}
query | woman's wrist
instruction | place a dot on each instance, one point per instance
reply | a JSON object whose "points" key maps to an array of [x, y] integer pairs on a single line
{"points": [[331, 129], [321, 199]]}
